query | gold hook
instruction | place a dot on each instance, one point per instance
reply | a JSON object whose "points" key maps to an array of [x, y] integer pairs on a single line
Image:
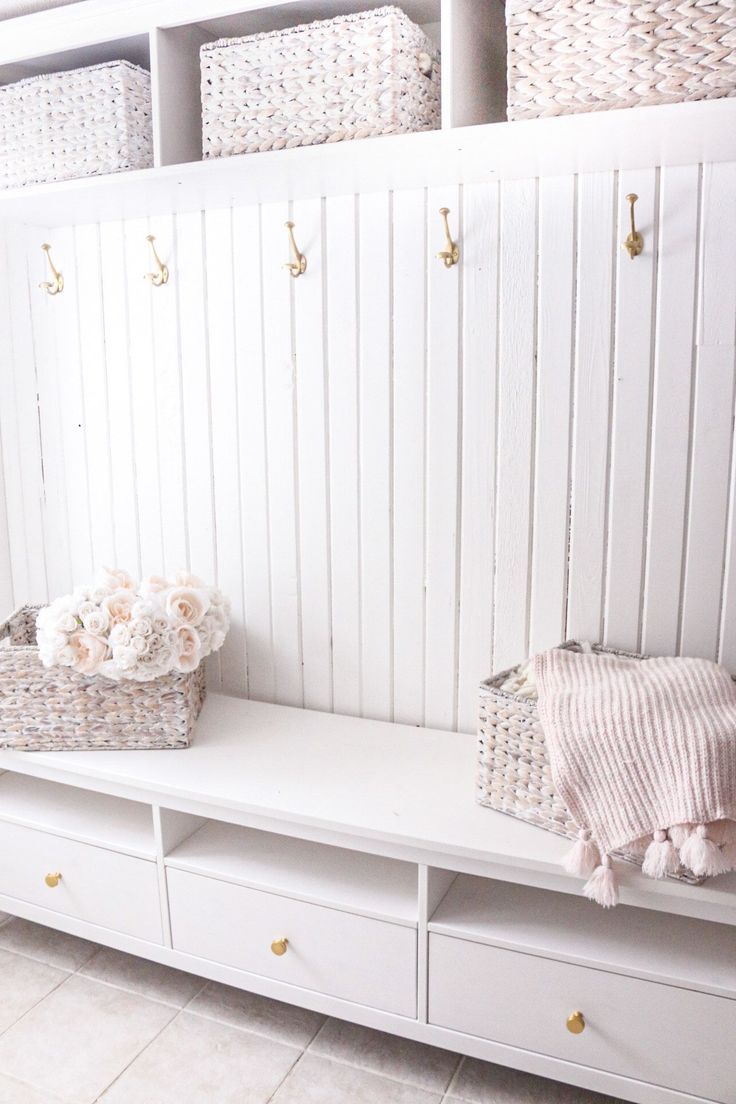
{"points": [[634, 243], [298, 265], [451, 253], [56, 285], [162, 276]]}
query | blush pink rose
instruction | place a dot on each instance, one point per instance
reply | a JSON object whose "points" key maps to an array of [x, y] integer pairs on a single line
{"points": [[188, 649], [89, 652], [115, 579], [184, 579], [119, 606], [187, 604]]}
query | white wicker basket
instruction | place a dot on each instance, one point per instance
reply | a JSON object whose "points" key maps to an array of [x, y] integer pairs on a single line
{"points": [[514, 772], [566, 56], [355, 76], [79, 123]]}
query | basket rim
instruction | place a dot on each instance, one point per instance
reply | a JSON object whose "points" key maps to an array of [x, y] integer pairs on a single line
{"points": [[489, 685], [130, 65], [302, 28]]}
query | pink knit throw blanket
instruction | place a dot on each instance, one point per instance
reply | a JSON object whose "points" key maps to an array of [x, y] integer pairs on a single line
{"points": [[643, 753]]}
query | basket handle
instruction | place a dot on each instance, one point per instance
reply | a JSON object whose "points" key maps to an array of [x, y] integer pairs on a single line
{"points": [[6, 626]]}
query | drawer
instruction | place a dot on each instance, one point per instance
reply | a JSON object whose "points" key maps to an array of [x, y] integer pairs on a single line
{"points": [[102, 887], [656, 1033], [367, 961]]}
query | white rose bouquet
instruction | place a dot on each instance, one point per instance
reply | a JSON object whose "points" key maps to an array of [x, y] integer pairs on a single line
{"points": [[124, 630]]}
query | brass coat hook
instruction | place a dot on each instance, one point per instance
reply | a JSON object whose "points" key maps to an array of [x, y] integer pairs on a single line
{"points": [[56, 284], [634, 242], [451, 253], [162, 275], [297, 266]]}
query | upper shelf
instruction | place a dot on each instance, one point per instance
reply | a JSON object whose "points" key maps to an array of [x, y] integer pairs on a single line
{"points": [[673, 134]]}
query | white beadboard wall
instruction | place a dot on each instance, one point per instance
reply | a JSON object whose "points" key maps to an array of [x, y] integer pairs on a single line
{"points": [[403, 476]]}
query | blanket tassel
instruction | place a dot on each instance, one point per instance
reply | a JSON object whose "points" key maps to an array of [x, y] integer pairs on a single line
{"points": [[660, 858], [702, 855], [583, 857], [602, 885]]}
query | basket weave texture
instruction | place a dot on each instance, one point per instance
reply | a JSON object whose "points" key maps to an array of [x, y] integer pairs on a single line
{"points": [[356, 76], [514, 773], [57, 709], [80, 123], [566, 56]]}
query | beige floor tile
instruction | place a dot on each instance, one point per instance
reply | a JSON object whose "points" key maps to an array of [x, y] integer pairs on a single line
{"points": [[76, 1041], [402, 1059], [296, 1026], [200, 1061], [15, 1092], [485, 1083], [23, 983], [55, 948], [139, 975], [318, 1080]]}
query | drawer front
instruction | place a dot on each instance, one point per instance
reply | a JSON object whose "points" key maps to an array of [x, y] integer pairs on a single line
{"points": [[336, 953], [640, 1029], [102, 887]]}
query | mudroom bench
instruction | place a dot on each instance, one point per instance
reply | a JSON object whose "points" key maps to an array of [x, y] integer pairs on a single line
{"points": [[343, 865]]}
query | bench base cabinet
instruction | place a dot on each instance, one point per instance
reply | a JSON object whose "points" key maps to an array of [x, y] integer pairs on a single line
{"points": [[639, 1029]]}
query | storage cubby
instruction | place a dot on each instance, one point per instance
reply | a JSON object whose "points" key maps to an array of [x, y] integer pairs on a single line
{"points": [[134, 48], [351, 881]]}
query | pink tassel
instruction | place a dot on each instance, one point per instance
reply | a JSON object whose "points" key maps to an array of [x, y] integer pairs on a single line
{"points": [[583, 857], [602, 885], [701, 855], [660, 858]]}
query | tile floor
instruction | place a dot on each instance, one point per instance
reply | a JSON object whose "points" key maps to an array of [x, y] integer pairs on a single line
{"points": [[81, 1023]]}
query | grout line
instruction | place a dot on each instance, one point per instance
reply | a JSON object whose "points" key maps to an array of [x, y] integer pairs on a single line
{"points": [[140, 1053], [285, 1078]]}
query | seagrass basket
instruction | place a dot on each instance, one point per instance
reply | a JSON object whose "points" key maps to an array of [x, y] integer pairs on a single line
{"points": [[566, 56], [356, 76], [57, 709], [514, 773], [80, 123]]}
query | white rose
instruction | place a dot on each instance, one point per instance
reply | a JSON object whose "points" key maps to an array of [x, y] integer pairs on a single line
{"points": [[115, 579], [188, 649], [125, 656], [139, 644], [142, 626], [66, 623], [160, 624], [96, 621], [119, 606], [187, 605], [119, 635], [184, 579], [154, 584], [144, 608], [84, 608]]}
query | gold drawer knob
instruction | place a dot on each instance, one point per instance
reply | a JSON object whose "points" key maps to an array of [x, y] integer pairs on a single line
{"points": [[279, 946], [52, 880], [576, 1022]]}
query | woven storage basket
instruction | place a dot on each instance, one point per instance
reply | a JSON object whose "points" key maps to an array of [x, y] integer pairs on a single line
{"points": [[352, 77], [79, 123], [587, 55], [514, 774], [56, 709]]}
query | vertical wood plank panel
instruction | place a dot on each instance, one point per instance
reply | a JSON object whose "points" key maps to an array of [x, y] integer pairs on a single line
{"points": [[596, 249], [341, 301], [516, 372], [7, 597], [673, 360], [443, 403], [712, 418], [122, 456], [554, 382], [191, 289], [281, 437], [92, 353], [409, 442], [46, 311], [312, 460], [248, 262], [144, 408], [69, 388], [167, 368], [630, 414], [480, 327], [376, 455], [225, 441]]}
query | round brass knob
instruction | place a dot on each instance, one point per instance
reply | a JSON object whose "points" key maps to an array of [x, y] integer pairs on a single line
{"points": [[279, 946], [576, 1022], [52, 880]]}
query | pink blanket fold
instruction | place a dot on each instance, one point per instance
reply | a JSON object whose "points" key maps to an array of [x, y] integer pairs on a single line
{"points": [[642, 752]]}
